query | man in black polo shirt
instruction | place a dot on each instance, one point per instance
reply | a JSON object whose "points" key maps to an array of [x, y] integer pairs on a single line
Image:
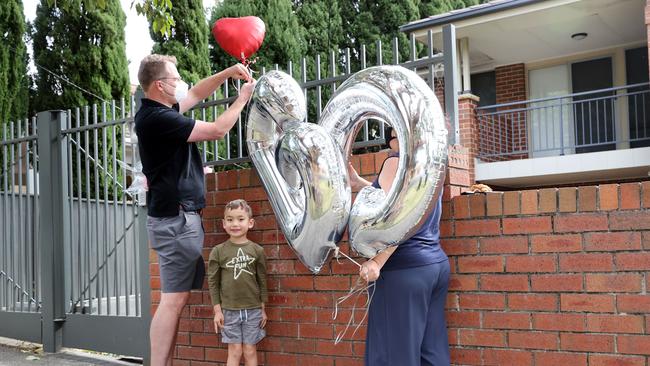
{"points": [[174, 170]]}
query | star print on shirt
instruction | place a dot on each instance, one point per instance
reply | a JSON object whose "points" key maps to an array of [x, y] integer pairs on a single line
{"points": [[240, 263]]}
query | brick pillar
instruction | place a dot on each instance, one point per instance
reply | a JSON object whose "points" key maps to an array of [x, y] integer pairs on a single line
{"points": [[469, 132], [511, 87], [458, 177]]}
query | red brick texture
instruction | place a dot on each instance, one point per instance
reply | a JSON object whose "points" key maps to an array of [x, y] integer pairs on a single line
{"points": [[506, 133], [551, 276], [510, 83], [535, 280], [469, 133]]}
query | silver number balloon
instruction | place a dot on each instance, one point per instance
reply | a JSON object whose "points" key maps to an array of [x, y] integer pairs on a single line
{"points": [[401, 98], [303, 166]]}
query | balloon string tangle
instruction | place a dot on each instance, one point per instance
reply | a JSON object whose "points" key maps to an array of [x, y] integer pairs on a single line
{"points": [[355, 292], [338, 253], [247, 63], [358, 290]]}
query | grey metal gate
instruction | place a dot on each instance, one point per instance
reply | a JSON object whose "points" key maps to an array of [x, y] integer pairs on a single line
{"points": [[74, 267]]}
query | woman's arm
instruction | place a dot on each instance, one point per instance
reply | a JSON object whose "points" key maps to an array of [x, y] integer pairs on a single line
{"points": [[388, 173], [356, 182], [370, 269]]}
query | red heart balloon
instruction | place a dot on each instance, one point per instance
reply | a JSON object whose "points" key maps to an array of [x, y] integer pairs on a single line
{"points": [[239, 37]]}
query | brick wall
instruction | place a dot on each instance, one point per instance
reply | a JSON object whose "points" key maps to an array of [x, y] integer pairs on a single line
{"points": [[550, 277], [544, 277], [510, 83]]}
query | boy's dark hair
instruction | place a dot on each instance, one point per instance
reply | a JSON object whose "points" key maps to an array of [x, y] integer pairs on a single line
{"points": [[233, 205]]}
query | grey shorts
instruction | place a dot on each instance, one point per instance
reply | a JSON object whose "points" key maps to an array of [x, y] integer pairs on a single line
{"points": [[178, 241], [242, 326]]}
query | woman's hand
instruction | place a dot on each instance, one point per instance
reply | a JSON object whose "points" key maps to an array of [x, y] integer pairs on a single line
{"points": [[369, 271]]}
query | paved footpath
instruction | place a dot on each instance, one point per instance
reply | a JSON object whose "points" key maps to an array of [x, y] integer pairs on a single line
{"points": [[17, 353]]}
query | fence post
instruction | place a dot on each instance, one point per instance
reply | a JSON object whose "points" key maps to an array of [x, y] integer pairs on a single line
{"points": [[53, 218], [145, 289], [451, 87]]}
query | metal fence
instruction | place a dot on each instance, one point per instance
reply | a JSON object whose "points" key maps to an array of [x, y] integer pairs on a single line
{"points": [[598, 120], [74, 269], [20, 249], [431, 64], [74, 265]]}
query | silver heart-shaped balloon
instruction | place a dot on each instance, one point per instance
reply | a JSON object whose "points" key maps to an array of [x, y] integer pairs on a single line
{"points": [[303, 166]]}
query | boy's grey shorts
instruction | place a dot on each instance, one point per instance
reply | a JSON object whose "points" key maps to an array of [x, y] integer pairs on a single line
{"points": [[178, 241], [242, 326]]}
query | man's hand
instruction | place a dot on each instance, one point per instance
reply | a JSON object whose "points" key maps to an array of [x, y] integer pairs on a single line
{"points": [[218, 318], [246, 91], [238, 71]]}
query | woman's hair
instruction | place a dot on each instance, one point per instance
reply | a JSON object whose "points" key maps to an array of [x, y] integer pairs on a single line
{"points": [[387, 136]]}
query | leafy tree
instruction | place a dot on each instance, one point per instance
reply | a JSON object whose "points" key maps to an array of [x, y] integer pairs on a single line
{"points": [[284, 40], [433, 7], [14, 83], [158, 12], [80, 50], [322, 25], [368, 21], [324, 35], [187, 40], [85, 45]]}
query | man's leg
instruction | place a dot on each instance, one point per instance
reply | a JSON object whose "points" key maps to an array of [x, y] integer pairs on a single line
{"points": [[164, 326], [170, 357], [250, 355], [234, 354]]}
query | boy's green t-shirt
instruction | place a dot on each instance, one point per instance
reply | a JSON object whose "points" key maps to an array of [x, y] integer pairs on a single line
{"points": [[237, 276]]}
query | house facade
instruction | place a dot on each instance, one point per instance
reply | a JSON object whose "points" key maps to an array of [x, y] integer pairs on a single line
{"points": [[554, 92]]}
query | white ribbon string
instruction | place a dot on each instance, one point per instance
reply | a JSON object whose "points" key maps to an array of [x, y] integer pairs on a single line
{"points": [[359, 289]]}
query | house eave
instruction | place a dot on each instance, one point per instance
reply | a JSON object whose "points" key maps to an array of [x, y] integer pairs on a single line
{"points": [[470, 13]]}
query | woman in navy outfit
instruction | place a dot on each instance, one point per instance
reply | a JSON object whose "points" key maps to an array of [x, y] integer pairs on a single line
{"points": [[406, 320]]}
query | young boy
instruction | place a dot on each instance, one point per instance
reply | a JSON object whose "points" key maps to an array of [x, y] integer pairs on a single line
{"points": [[237, 280]]}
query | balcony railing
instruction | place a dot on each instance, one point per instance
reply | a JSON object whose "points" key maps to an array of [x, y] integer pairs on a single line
{"points": [[598, 120]]}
